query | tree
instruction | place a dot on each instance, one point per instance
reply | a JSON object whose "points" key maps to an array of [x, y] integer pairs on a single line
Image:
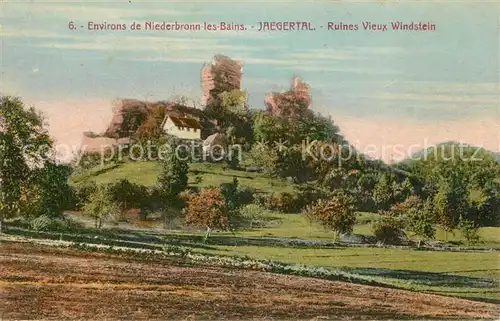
{"points": [[450, 202], [230, 193], [402, 208], [264, 157], [290, 163], [101, 205], [234, 101], [269, 129], [383, 193], [128, 195], [24, 144], [173, 178], [420, 220], [132, 120], [469, 230], [336, 213], [150, 129], [47, 192], [207, 209]]}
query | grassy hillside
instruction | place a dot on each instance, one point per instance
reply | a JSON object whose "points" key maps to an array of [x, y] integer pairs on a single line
{"points": [[146, 173]]}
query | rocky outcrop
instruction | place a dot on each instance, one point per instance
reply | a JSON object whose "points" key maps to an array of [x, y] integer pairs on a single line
{"points": [[221, 74], [114, 134], [120, 108], [124, 106], [291, 102]]}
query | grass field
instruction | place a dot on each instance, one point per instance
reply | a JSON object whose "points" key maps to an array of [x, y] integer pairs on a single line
{"points": [[146, 173], [298, 226]]}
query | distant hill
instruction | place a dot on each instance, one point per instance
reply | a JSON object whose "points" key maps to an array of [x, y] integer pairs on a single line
{"points": [[446, 146]]}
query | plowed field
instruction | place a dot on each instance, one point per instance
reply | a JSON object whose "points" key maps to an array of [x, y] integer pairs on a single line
{"points": [[43, 282]]}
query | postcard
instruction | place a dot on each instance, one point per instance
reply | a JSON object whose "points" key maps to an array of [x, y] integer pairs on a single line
{"points": [[248, 160]]}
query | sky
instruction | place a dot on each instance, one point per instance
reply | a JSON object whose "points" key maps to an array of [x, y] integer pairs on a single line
{"points": [[383, 89]]}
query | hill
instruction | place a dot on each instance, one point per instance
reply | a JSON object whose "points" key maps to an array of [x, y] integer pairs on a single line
{"points": [[200, 175], [445, 147]]}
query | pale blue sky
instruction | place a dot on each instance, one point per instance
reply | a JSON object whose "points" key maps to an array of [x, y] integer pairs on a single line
{"points": [[448, 77]]}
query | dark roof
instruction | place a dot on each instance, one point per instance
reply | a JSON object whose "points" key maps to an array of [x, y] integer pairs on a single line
{"points": [[185, 122]]}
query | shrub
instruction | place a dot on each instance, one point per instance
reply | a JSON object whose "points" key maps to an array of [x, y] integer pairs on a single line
{"points": [[230, 193], [287, 202], [284, 202], [308, 194], [388, 229], [127, 195], [336, 214], [252, 213], [173, 178], [40, 223], [246, 195]]}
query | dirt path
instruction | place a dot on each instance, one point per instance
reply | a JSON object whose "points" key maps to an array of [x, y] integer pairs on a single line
{"points": [[42, 282]]}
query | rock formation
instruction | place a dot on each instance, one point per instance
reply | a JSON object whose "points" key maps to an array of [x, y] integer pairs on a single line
{"points": [[120, 108], [115, 135], [221, 74], [291, 102], [124, 106]]}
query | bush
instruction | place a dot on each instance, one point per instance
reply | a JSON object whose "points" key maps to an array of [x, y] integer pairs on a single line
{"points": [[246, 195], [284, 202], [388, 229], [40, 223], [309, 194], [253, 213], [45, 223], [128, 195], [336, 214], [235, 195]]}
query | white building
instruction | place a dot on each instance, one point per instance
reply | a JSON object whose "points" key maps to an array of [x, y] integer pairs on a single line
{"points": [[184, 128]]}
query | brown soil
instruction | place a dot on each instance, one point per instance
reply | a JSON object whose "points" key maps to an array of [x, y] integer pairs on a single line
{"points": [[42, 282]]}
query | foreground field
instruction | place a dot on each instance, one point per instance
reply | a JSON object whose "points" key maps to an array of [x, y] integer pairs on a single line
{"points": [[43, 282], [471, 274]]}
